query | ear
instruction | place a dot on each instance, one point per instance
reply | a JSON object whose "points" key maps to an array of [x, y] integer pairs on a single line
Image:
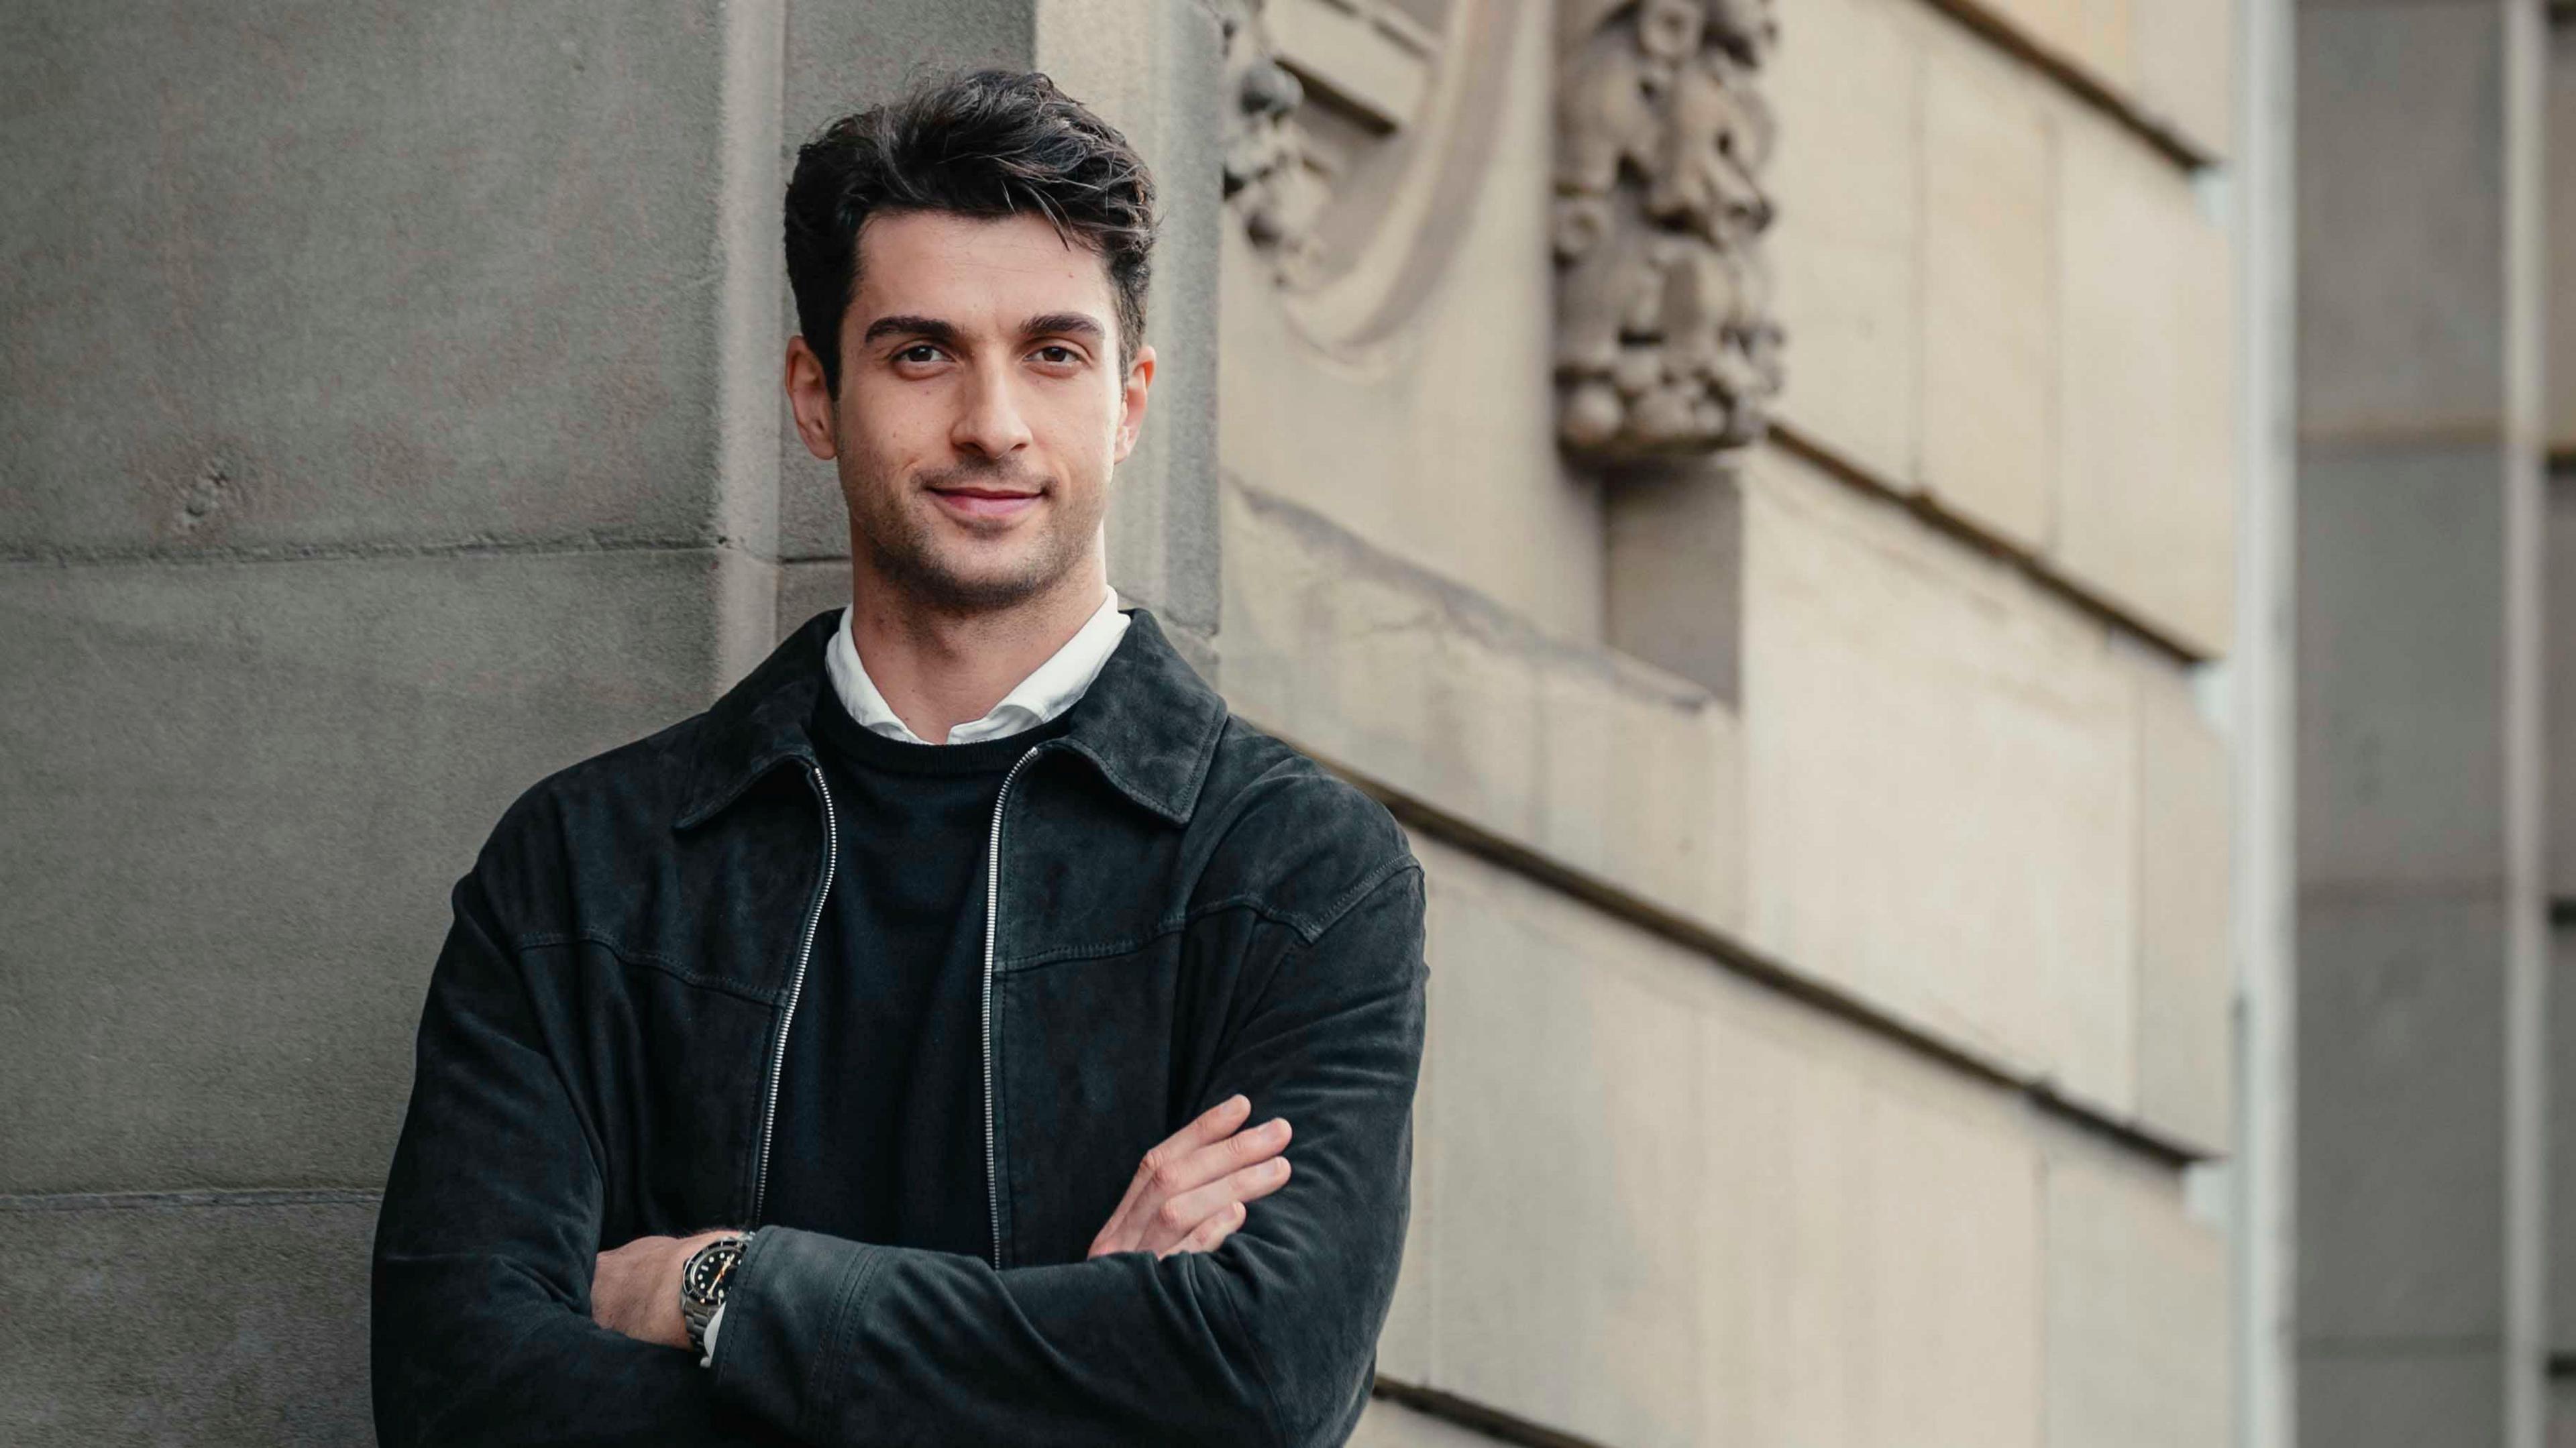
{"points": [[811, 399], [1131, 414]]}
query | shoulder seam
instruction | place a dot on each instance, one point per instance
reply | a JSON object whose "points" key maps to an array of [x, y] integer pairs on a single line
{"points": [[545, 940]]}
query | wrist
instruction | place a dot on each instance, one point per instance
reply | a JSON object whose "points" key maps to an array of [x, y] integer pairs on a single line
{"points": [[706, 1276]]}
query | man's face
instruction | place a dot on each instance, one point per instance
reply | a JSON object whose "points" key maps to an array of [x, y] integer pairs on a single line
{"points": [[981, 406]]}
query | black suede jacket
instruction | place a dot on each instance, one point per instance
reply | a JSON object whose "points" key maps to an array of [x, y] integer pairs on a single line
{"points": [[1187, 908]]}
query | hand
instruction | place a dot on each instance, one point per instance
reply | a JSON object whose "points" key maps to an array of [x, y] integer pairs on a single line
{"points": [[635, 1289], [1189, 1192]]}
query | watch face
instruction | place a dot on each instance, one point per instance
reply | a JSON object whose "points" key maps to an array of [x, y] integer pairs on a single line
{"points": [[708, 1269]]}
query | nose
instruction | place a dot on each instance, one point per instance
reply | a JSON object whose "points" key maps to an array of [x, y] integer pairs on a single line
{"points": [[990, 421]]}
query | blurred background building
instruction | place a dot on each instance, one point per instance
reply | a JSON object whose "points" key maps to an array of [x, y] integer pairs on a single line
{"points": [[1954, 593]]}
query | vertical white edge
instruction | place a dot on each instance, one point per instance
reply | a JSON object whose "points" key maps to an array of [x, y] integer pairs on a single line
{"points": [[751, 276], [2262, 693], [2526, 1264]]}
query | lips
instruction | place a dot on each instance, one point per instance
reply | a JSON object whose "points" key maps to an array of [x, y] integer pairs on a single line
{"points": [[984, 502]]}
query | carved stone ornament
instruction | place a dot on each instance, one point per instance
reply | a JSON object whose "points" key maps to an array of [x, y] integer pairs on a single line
{"points": [[1266, 179], [1665, 342], [1358, 134]]}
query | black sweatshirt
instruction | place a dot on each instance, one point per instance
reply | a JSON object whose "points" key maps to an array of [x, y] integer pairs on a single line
{"points": [[879, 1135]]}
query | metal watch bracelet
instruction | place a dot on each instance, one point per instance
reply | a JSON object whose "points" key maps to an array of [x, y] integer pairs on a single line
{"points": [[703, 1283]]}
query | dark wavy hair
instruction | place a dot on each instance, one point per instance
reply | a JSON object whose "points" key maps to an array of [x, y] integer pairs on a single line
{"points": [[990, 143]]}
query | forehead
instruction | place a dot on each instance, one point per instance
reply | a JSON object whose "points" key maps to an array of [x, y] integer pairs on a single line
{"points": [[974, 270]]}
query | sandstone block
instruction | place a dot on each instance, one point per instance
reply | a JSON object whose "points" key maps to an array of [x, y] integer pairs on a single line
{"points": [[1940, 784], [1564, 1143], [2186, 52], [2138, 1341], [2146, 464], [1989, 321], [2186, 983], [1872, 1270], [1586, 758], [1846, 83]]}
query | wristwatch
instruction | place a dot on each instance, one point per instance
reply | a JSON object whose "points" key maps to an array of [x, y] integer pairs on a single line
{"points": [[703, 1281]]}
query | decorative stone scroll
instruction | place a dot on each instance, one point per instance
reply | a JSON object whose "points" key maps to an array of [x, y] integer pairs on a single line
{"points": [[1665, 343]]}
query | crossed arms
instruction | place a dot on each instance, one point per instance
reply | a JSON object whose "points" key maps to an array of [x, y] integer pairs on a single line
{"points": [[1174, 1330]]}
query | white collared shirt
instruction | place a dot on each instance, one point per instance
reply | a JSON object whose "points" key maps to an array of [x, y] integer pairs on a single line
{"points": [[1049, 690]]}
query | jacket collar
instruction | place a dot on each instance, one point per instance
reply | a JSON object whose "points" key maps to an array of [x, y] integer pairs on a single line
{"points": [[1148, 723]]}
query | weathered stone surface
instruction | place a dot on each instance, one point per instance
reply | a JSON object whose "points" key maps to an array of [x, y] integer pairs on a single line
{"points": [[1940, 784], [1989, 310], [1677, 571], [1846, 83], [1584, 757], [238, 802], [1566, 1043], [2145, 515], [1755, 1225], [2138, 1344], [2561, 1109], [2400, 191], [2401, 777], [2186, 52], [1871, 1260], [2410, 988], [2186, 979], [2374, 1399], [284, 276], [209, 1319], [806, 589], [2559, 707], [2560, 149]]}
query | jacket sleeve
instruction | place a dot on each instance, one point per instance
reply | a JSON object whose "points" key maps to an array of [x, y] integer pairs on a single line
{"points": [[480, 1328], [1268, 1339]]}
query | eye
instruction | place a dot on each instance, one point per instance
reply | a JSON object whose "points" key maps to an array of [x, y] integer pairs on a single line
{"points": [[1055, 355], [919, 354]]}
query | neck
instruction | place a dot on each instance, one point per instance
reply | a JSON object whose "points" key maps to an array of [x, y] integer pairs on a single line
{"points": [[938, 670]]}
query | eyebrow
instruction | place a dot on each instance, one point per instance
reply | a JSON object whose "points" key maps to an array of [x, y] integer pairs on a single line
{"points": [[1063, 324], [1045, 324], [909, 326]]}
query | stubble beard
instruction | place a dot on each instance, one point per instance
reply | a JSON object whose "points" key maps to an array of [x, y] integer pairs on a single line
{"points": [[903, 545]]}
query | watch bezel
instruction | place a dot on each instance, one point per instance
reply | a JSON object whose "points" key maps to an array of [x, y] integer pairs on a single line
{"points": [[704, 1280]]}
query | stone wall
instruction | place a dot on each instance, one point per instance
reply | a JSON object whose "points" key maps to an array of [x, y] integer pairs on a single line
{"points": [[1828, 839]]}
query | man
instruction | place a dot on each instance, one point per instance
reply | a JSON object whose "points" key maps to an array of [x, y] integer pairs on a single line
{"points": [[906, 1049]]}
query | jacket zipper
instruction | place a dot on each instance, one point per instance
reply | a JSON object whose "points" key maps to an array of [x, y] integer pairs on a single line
{"points": [[796, 989], [992, 915]]}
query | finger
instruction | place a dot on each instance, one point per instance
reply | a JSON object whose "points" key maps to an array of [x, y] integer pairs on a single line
{"points": [[1176, 1219], [1163, 1160], [1182, 1162], [1206, 1236], [1246, 1147]]}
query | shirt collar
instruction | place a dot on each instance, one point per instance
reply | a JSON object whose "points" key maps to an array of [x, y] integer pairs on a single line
{"points": [[1149, 724], [1051, 688]]}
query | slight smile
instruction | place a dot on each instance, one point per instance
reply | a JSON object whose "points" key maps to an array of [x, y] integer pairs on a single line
{"points": [[984, 503]]}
